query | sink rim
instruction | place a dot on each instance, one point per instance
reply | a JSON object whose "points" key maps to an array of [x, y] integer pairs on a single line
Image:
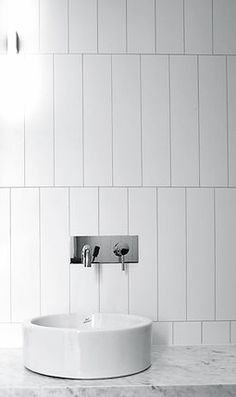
{"points": [[143, 322]]}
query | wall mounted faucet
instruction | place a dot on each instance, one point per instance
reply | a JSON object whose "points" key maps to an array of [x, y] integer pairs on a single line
{"points": [[86, 255], [89, 250]]}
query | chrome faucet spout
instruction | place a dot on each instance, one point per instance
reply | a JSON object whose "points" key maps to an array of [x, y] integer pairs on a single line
{"points": [[86, 256]]}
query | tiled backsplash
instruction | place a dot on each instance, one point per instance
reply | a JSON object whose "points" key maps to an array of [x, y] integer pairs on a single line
{"points": [[118, 117]]}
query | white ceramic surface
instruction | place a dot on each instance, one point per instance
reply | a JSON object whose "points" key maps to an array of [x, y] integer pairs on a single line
{"points": [[99, 346]]}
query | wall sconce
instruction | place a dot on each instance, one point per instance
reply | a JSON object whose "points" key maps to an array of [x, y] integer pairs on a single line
{"points": [[13, 43]]}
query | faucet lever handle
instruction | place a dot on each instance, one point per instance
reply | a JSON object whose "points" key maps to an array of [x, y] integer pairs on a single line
{"points": [[121, 249]]}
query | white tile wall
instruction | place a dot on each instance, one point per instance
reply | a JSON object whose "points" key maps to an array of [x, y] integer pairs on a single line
{"points": [[38, 128], [216, 333], [213, 121], [198, 26], [184, 120], [171, 254], [97, 120], [112, 26], [187, 333], [225, 254], [169, 26], [68, 120], [25, 279], [119, 117], [53, 26], [140, 26], [200, 254], [224, 26], [5, 270], [126, 105], [83, 26], [155, 120]]}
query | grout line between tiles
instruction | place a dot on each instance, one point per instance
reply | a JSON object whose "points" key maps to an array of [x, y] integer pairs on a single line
{"points": [[141, 118], [120, 186], [129, 53], [97, 30], [157, 241], [10, 250], [170, 143], [39, 22], [198, 122], [186, 252], [99, 266], [212, 26], [69, 233], [82, 138], [40, 254], [53, 107], [227, 120], [68, 26], [24, 144], [126, 27], [112, 127], [155, 25], [215, 278], [128, 274], [184, 27]]}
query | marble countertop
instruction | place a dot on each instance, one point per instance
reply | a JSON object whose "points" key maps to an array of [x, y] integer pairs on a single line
{"points": [[199, 371]]}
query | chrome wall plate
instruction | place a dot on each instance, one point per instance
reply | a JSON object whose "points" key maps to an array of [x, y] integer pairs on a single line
{"points": [[106, 246]]}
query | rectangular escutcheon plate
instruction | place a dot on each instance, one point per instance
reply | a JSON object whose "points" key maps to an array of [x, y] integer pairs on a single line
{"points": [[106, 246]]}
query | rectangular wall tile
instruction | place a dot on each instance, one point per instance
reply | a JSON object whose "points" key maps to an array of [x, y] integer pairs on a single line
{"points": [[126, 120], [25, 275], [11, 121], [3, 26], [200, 254], [97, 120], [231, 62], [155, 120], [68, 120], [171, 254], [215, 333], [162, 333], [53, 26], [39, 121], [55, 246], [5, 255], [169, 26], [84, 293], [11, 336], [224, 26], [213, 131], [225, 254], [140, 26], [198, 26], [187, 333], [184, 121], [83, 26], [113, 221], [143, 275], [112, 26]]}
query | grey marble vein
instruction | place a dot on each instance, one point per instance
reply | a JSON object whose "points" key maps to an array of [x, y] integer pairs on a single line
{"points": [[199, 371]]}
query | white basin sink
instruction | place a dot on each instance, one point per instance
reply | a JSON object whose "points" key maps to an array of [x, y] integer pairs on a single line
{"points": [[99, 346]]}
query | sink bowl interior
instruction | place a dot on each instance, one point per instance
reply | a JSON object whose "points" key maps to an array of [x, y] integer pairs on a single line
{"points": [[93, 323]]}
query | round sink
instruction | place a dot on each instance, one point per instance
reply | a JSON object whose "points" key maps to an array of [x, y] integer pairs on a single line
{"points": [[99, 346]]}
